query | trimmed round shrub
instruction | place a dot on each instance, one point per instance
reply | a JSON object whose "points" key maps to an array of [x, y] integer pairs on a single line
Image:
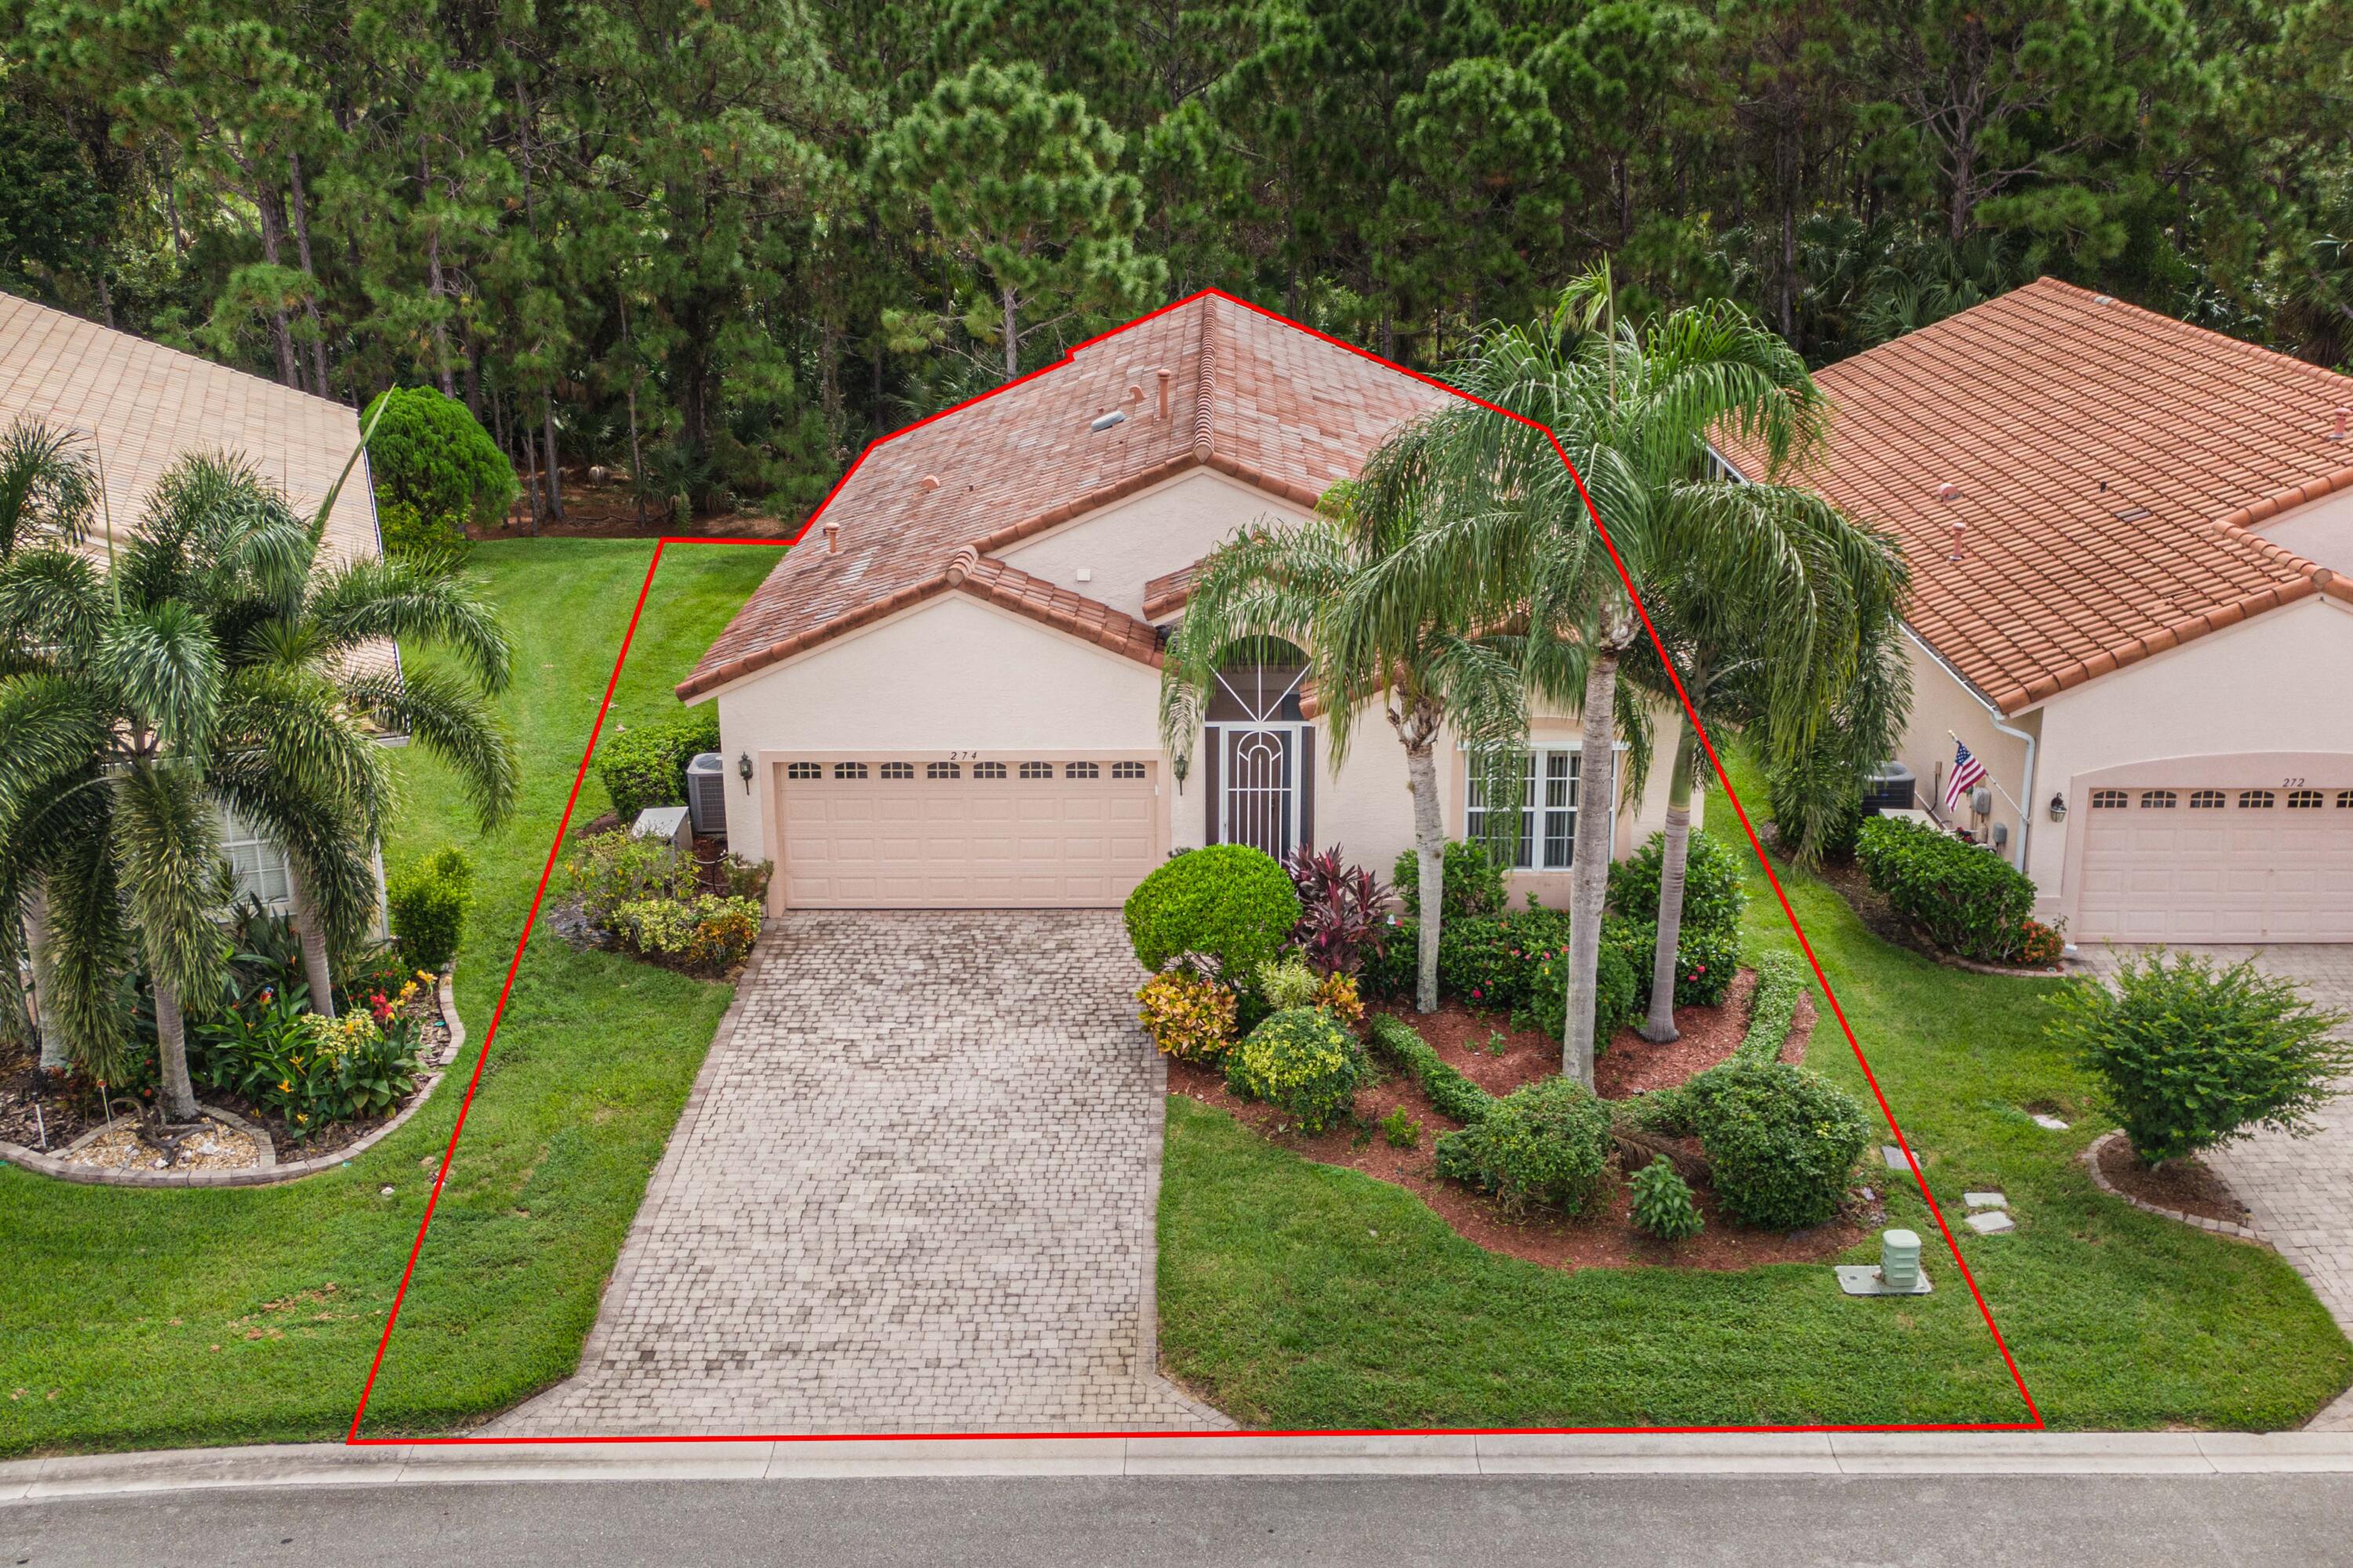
{"points": [[647, 766], [1229, 901], [1472, 884], [2189, 1055], [1546, 1143], [426, 902], [1662, 1202], [1715, 890], [1963, 897], [428, 452], [1783, 1141], [1301, 1062], [1187, 1014]]}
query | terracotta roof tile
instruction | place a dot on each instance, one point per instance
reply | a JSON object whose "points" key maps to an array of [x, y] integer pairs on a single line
{"points": [[1168, 594], [1249, 395], [2109, 461]]}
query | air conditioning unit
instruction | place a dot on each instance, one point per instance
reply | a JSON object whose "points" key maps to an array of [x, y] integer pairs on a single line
{"points": [[706, 794], [1887, 787]]}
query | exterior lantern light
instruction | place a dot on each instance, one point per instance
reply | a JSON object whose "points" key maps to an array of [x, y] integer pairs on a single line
{"points": [[2058, 807], [744, 769]]}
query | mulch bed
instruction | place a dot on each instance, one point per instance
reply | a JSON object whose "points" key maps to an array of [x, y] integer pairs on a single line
{"points": [[2187, 1186], [24, 1089], [1485, 1048]]}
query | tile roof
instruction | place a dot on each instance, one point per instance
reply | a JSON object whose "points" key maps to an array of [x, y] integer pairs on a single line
{"points": [[1246, 394], [2107, 461], [1168, 594], [143, 406]]}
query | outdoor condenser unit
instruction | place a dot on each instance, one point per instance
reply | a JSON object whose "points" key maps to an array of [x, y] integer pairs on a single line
{"points": [[1888, 788], [706, 794]]}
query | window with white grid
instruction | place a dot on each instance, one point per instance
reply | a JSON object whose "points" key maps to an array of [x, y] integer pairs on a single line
{"points": [[1548, 790]]}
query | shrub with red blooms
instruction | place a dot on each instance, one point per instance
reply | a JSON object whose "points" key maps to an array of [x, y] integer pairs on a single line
{"points": [[1341, 923]]}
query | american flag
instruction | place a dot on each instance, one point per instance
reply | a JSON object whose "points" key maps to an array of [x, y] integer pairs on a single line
{"points": [[1966, 771]]}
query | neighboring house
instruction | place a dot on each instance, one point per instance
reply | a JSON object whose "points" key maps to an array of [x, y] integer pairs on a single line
{"points": [[2130, 542], [140, 408], [948, 695]]}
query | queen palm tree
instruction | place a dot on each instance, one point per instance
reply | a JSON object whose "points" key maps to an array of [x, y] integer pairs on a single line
{"points": [[1505, 518], [1425, 671], [221, 664]]}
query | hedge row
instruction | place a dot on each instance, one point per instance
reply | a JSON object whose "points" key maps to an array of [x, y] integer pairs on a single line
{"points": [[1454, 1096], [1772, 1007]]}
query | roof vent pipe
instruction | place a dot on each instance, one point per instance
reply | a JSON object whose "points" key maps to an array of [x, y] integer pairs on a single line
{"points": [[2342, 415], [1165, 376], [1948, 490], [931, 482], [832, 537]]}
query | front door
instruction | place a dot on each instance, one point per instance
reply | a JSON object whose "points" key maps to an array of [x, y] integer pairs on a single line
{"points": [[1261, 808]]}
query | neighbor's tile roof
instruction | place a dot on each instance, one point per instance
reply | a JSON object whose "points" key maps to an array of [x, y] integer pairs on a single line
{"points": [[141, 406], [1247, 394], [2107, 461]]}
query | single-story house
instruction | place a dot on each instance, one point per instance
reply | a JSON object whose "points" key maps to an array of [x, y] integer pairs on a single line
{"points": [[140, 408], [2131, 547], [949, 693]]}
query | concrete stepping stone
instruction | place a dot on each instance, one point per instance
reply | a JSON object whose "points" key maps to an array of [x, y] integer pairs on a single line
{"points": [[1895, 1157], [2049, 1123], [1985, 1200], [1991, 1223]]}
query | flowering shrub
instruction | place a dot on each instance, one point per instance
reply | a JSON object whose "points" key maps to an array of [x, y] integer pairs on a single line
{"points": [[610, 870], [309, 1070], [1490, 962], [1189, 1014], [1706, 961], [1301, 1062], [700, 933], [1615, 1001], [2040, 944], [1715, 892]]}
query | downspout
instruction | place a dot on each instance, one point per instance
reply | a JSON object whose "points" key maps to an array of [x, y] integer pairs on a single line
{"points": [[2025, 801]]}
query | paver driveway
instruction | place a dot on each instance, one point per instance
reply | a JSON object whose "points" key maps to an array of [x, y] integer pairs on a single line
{"points": [[912, 1190], [2300, 1191]]}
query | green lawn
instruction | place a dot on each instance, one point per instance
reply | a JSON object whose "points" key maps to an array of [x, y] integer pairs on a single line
{"points": [[1296, 1295], [146, 1319]]}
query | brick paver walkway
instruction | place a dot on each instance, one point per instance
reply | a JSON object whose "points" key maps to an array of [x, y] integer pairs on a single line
{"points": [[2300, 1190], [912, 1190]]}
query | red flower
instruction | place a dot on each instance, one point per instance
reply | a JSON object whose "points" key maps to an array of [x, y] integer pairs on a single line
{"points": [[1474, 993]]}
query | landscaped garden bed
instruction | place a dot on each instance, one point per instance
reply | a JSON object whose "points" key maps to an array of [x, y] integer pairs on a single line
{"points": [[2186, 1186]]}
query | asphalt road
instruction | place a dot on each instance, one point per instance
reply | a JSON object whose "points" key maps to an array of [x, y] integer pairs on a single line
{"points": [[1339, 1522]]}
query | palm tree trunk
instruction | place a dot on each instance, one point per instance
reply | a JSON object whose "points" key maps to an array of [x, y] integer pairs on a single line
{"points": [[55, 1058], [179, 1096], [1430, 855], [1596, 793], [1661, 1025], [317, 971]]}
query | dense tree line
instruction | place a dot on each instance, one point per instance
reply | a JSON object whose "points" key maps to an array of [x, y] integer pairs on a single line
{"points": [[719, 243]]}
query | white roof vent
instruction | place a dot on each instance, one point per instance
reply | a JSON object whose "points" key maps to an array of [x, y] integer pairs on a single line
{"points": [[1105, 422]]}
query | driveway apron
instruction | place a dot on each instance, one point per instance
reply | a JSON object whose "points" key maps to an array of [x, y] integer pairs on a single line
{"points": [[913, 1190], [2300, 1191]]}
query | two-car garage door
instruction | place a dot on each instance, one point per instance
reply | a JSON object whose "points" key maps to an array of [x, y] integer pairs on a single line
{"points": [[2218, 865], [959, 833]]}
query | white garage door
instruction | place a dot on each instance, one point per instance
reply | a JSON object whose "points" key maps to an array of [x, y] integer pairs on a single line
{"points": [[2218, 865], [899, 832]]}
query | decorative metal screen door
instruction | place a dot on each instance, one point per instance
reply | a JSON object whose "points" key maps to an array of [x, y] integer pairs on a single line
{"points": [[1261, 795]]}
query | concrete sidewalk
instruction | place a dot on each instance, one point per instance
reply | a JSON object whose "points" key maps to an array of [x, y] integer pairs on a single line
{"points": [[1466, 1454]]}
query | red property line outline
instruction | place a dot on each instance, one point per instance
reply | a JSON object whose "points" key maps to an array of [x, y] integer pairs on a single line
{"points": [[1707, 744]]}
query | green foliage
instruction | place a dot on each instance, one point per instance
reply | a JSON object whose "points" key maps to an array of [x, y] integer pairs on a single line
{"points": [[1772, 1007], [1617, 998], [412, 533], [1546, 1143], [1782, 1141], [430, 455], [1400, 1130], [1490, 961], [1287, 982], [2189, 1055], [611, 870], [1966, 899], [1473, 883], [1662, 1202], [645, 765], [1453, 1095], [1706, 961], [311, 1072], [427, 901], [703, 935], [1300, 1061], [1188, 1014], [1714, 884], [1230, 902]]}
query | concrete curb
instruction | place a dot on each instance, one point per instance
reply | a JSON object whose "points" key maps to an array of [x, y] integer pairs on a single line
{"points": [[272, 1172], [1940, 1454]]}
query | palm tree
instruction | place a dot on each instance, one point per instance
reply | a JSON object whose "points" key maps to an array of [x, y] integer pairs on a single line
{"points": [[1420, 664], [1633, 410], [220, 665]]}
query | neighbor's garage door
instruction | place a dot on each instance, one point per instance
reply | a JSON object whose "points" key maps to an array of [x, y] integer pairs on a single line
{"points": [[2218, 865], [886, 832]]}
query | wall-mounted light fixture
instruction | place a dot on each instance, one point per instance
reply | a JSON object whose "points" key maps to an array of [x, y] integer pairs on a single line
{"points": [[1180, 765], [744, 769], [2058, 808]]}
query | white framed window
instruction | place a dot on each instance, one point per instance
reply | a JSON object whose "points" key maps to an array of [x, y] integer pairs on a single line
{"points": [[260, 864], [1548, 793]]}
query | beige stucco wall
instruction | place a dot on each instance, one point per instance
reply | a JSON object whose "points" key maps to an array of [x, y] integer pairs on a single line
{"points": [[1149, 535], [2270, 697], [1942, 707], [2321, 533]]}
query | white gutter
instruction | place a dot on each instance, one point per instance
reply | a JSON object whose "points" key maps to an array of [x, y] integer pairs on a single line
{"points": [[2025, 805]]}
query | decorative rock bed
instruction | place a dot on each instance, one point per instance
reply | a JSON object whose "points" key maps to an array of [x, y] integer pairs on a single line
{"points": [[117, 1155]]}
